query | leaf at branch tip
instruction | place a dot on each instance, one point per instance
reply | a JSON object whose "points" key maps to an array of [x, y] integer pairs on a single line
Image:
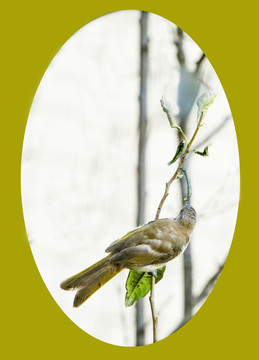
{"points": [[138, 285], [204, 102], [204, 153], [181, 147], [167, 111]]}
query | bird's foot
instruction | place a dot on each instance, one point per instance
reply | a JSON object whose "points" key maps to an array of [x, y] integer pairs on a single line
{"points": [[153, 273]]}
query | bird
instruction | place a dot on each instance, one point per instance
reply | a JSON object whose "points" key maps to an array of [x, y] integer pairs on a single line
{"points": [[145, 249]]}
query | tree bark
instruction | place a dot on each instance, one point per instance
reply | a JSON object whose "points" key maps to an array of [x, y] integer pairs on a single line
{"points": [[188, 88], [141, 173]]}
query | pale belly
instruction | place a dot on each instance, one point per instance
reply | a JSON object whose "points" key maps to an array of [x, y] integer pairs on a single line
{"points": [[147, 268]]}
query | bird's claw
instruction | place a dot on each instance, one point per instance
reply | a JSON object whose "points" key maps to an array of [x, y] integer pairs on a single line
{"points": [[153, 273]]}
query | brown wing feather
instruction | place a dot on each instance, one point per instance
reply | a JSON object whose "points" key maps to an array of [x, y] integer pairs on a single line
{"points": [[151, 231], [143, 254]]}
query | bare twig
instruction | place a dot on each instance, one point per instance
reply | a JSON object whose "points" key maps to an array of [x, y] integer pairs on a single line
{"points": [[199, 63], [152, 305]]}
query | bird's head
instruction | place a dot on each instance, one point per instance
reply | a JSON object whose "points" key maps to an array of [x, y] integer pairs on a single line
{"points": [[187, 217]]}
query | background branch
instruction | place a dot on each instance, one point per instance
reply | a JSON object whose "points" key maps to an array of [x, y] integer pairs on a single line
{"points": [[217, 129], [199, 63], [141, 173], [202, 295], [207, 287], [179, 46], [188, 89]]}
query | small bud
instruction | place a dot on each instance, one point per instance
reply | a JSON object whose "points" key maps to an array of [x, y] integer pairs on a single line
{"points": [[180, 175], [203, 102]]}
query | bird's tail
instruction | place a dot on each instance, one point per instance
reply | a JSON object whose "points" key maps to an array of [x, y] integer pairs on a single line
{"points": [[91, 279]]}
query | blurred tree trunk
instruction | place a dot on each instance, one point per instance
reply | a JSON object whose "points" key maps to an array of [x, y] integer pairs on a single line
{"points": [[188, 89], [141, 173], [187, 261]]}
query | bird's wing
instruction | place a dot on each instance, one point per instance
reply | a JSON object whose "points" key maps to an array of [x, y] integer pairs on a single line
{"points": [[153, 231], [123, 241], [155, 242], [141, 255]]}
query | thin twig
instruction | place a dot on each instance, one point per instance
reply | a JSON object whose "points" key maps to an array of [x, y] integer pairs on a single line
{"points": [[199, 62], [152, 305], [181, 162]]}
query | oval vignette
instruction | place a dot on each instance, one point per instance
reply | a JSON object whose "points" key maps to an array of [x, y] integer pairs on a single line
{"points": [[79, 166]]}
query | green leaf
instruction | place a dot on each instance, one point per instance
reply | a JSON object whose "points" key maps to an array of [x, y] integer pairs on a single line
{"points": [[204, 102], [167, 111], [181, 147], [138, 284], [189, 187], [160, 274], [204, 153], [170, 119]]}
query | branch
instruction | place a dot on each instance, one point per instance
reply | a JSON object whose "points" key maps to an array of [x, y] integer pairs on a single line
{"points": [[199, 63], [180, 51], [208, 286], [179, 46], [152, 305], [141, 176], [204, 293], [203, 103], [181, 162]]}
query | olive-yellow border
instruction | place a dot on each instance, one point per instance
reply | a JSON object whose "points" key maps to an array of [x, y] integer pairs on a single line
{"points": [[32, 324]]}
